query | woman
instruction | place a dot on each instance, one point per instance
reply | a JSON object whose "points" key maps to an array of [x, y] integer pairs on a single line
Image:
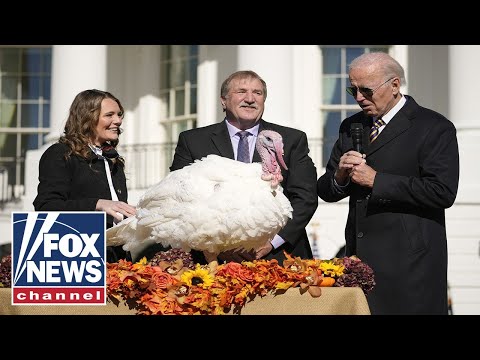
{"points": [[83, 171]]}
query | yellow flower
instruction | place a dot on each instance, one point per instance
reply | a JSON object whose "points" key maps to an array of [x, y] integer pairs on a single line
{"points": [[200, 276], [282, 285], [140, 264], [330, 269]]}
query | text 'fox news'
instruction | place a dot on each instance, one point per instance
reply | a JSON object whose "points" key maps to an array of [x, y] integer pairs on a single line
{"points": [[58, 258]]}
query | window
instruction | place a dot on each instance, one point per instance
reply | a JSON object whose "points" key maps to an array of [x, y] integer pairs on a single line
{"points": [[24, 110], [336, 103], [178, 90]]}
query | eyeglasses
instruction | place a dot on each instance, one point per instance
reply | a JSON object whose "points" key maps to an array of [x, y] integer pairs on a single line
{"points": [[367, 92]]}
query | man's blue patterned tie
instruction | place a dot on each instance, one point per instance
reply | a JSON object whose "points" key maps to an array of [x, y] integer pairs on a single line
{"points": [[243, 154]]}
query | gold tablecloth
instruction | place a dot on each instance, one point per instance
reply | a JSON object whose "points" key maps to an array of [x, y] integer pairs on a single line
{"points": [[333, 301]]}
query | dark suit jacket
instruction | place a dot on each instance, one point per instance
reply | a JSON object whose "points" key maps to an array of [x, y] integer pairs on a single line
{"points": [[398, 227], [298, 181], [76, 185]]}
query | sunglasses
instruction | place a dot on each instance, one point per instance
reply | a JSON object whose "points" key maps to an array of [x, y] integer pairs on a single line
{"points": [[367, 92]]}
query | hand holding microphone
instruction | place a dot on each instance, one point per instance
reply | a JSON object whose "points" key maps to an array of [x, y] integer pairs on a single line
{"points": [[360, 172], [356, 131]]}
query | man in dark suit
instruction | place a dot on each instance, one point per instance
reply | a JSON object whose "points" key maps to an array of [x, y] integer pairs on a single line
{"points": [[399, 189], [243, 96]]}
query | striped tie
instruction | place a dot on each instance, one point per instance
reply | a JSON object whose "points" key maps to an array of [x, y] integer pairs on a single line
{"points": [[374, 130]]}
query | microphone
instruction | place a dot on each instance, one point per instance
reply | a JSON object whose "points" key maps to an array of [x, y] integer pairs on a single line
{"points": [[356, 131]]}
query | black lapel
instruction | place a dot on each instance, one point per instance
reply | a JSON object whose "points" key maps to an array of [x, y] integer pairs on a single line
{"points": [[399, 124], [221, 141]]}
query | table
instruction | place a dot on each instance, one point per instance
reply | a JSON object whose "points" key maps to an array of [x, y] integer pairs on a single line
{"points": [[333, 301]]}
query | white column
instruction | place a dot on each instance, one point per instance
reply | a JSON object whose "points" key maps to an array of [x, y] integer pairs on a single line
{"points": [[307, 97], [207, 88], [306, 92], [463, 112], [274, 65], [74, 68], [400, 53]]}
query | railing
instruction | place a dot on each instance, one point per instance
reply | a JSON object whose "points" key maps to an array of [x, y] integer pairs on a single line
{"points": [[5, 194], [316, 153], [147, 164]]}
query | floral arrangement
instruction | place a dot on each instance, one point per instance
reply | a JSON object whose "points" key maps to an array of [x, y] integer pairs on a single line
{"points": [[167, 286], [6, 271], [171, 283]]}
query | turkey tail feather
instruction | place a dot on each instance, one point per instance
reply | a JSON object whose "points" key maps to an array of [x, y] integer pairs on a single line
{"points": [[122, 232]]}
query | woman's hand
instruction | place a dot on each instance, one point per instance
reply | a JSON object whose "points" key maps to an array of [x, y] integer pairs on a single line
{"points": [[118, 209]]}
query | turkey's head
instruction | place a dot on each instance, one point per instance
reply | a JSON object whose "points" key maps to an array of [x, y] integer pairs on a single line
{"points": [[270, 147]]}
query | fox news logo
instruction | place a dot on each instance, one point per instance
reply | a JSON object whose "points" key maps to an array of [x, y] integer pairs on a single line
{"points": [[58, 258]]}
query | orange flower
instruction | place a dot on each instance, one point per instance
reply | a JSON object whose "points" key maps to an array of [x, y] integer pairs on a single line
{"points": [[162, 280], [311, 284], [235, 270]]}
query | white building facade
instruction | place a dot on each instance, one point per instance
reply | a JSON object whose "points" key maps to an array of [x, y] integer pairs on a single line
{"points": [[169, 88]]}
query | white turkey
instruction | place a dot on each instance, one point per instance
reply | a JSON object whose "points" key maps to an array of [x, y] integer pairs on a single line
{"points": [[212, 205]]}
